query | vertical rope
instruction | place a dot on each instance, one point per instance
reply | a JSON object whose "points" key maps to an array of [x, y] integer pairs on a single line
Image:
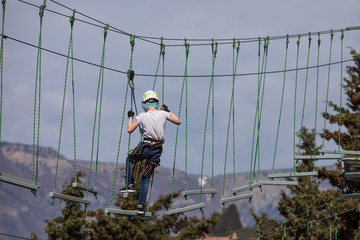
{"points": [[214, 51], [177, 128], [341, 85], [281, 103], [231, 111], [37, 102], [158, 64], [163, 75], [316, 96], [237, 57], [295, 99], [305, 91], [327, 88], [331, 217], [72, 19], [256, 114], [96, 118], [2, 61]]}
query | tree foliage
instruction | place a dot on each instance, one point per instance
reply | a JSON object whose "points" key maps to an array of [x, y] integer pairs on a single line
{"points": [[76, 223], [229, 221], [308, 211]]}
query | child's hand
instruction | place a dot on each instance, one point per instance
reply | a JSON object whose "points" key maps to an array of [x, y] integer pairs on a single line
{"points": [[130, 114], [165, 108]]}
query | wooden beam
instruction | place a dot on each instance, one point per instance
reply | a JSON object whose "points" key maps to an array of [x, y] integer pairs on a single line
{"points": [[20, 182], [236, 198], [186, 209], [247, 187], [292, 174], [122, 212], [54, 195]]}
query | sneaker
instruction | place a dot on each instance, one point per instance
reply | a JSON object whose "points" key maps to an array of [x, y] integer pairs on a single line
{"points": [[130, 189], [140, 209]]}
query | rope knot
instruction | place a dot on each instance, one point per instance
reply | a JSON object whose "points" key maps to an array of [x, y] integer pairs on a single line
{"points": [[72, 18], [106, 28], [41, 10]]}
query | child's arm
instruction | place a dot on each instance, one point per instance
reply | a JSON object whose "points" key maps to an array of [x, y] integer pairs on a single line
{"points": [[172, 118], [132, 125]]}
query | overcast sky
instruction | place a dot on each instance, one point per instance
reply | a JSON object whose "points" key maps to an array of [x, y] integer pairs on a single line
{"points": [[173, 19]]}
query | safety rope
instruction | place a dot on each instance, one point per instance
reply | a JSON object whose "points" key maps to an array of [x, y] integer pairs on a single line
{"points": [[97, 116], [316, 98], [214, 52], [70, 56], [305, 92], [158, 64], [132, 44], [184, 86], [341, 85], [281, 104], [2, 61], [37, 101], [295, 99], [331, 218], [235, 61], [327, 89], [258, 112]]}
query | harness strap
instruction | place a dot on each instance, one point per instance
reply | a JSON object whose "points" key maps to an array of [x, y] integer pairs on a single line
{"points": [[149, 166]]}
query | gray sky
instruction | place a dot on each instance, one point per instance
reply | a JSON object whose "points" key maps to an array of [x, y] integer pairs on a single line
{"points": [[181, 19]]}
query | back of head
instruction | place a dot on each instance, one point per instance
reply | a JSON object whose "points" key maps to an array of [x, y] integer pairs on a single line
{"points": [[150, 99]]}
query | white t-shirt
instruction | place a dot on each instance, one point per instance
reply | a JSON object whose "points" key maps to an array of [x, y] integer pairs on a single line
{"points": [[153, 123]]}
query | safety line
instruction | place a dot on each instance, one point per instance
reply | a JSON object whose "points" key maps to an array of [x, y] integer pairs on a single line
{"points": [[173, 75], [220, 40]]}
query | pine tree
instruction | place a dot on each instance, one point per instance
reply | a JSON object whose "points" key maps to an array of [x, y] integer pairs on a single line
{"points": [[311, 213], [229, 221]]}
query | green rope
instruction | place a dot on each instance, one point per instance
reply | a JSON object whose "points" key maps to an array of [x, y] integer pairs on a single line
{"points": [[311, 229], [327, 88], [336, 227], [177, 128], [307, 225], [69, 55], [163, 75], [259, 112], [341, 85], [284, 231], [230, 111], [256, 114], [214, 51], [257, 233], [316, 96], [37, 102], [72, 20], [305, 91], [98, 115], [2, 62], [281, 102], [331, 207], [237, 58], [295, 99], [132, 43], [158, 63]]}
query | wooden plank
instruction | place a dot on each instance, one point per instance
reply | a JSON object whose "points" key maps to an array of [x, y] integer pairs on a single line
{"points": [[236, 198], [319, 157], [85, 188], [69, 198], [348, 152], [281, 183], [291, 174], [186, 209], [197, 192], [247, 187], [352, 175], [20, 182], [351, 195], [122, 212]]}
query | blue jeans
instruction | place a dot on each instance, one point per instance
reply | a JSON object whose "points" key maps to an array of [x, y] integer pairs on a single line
{"points": [[151, 155]]}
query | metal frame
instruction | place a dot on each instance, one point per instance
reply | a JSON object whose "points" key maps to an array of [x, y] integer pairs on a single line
{"points": [[247, 187], [186, 209], [85, 188], [235, 198], [292, 174], [54, 195], [20, 182], [197, 192], [319, 157], [122, 212]]}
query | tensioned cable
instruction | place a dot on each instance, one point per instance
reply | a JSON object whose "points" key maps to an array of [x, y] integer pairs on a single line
{"points": [[219, 40], [95, 25], [173, 75], [14, 236], [2, 62]]}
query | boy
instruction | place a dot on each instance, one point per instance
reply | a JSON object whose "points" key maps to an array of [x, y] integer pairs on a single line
{"points": [[152, 123]]}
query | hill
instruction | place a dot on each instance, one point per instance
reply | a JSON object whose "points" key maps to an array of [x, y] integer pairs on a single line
{"points": [[22, 213]]}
